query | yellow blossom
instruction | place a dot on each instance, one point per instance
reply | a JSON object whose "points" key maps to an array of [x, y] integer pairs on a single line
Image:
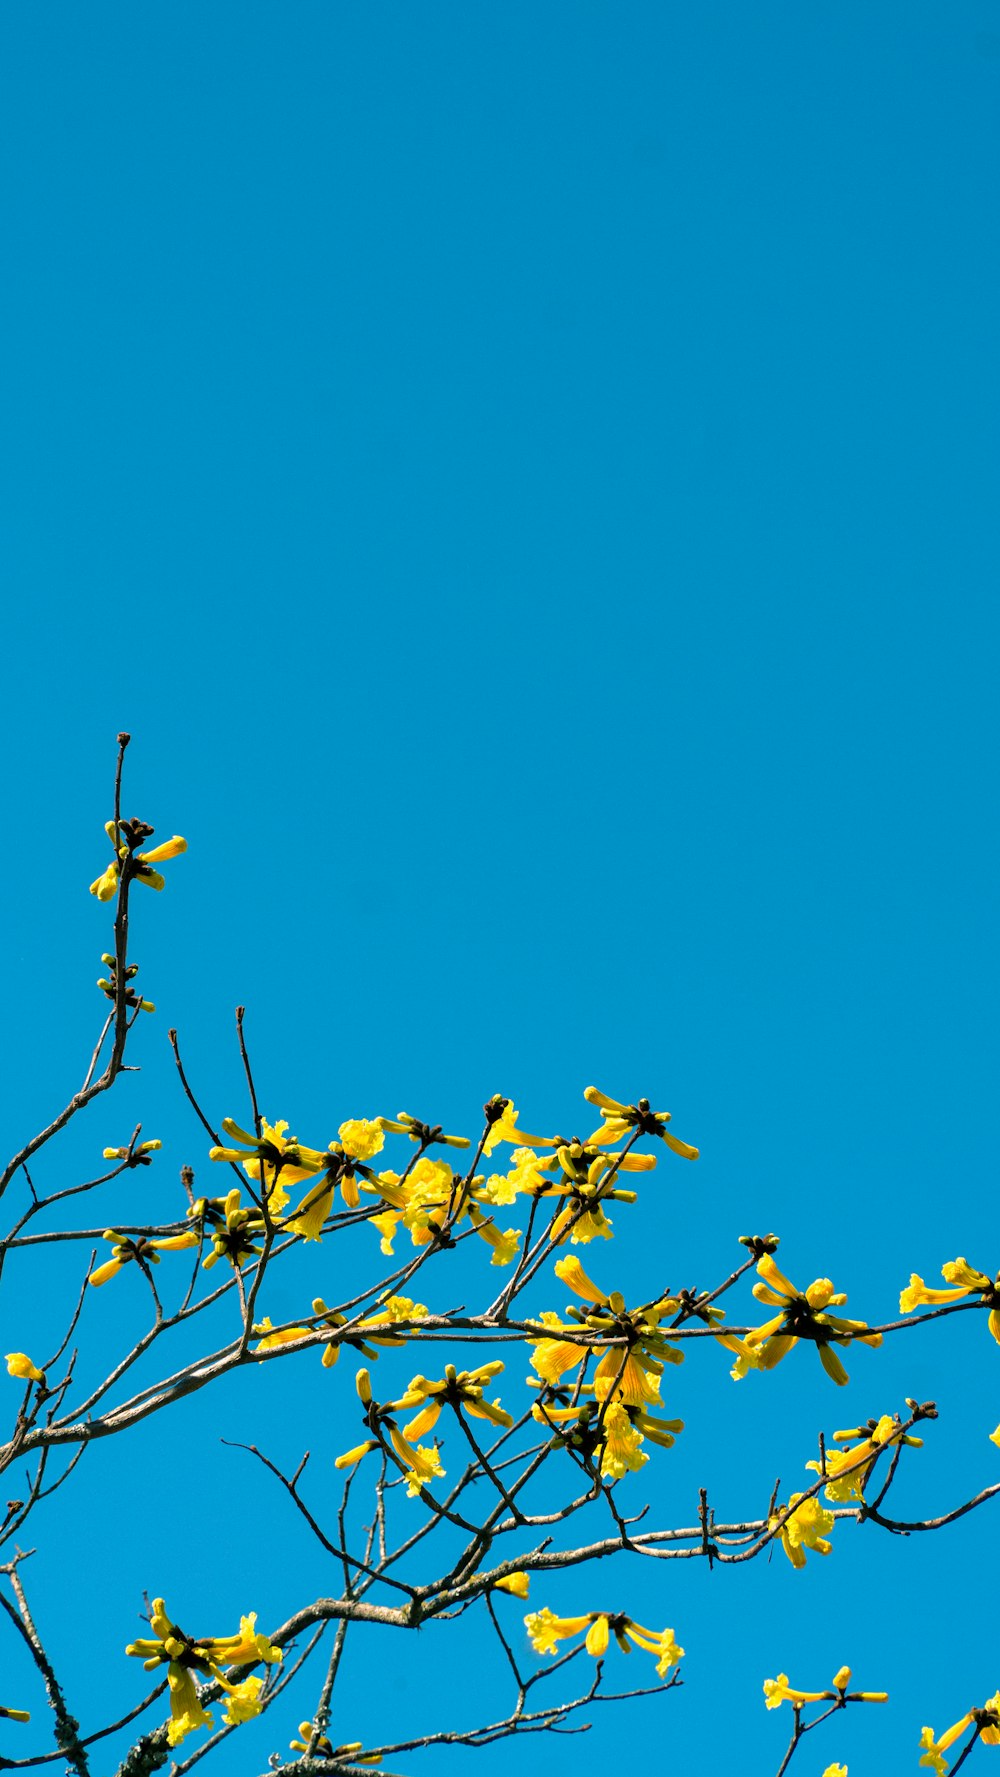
{"points": [[284, 1335], [350, 1457], [386, 1223], [243, 1701], [504, 1127], [661, 1642], [21, 1367], [361, 1139], [514, 1583], [620, 1376], [807, 1527], [571, 1272], [593, 1224], [622, 1448], [965, 1280], [505, 1243], [186, 1712], [307, 1729], [249, 1645], [424, 1133], [778, 1691], [422, 1464], [934, 1749], [312, 1212], [546, 1630]]}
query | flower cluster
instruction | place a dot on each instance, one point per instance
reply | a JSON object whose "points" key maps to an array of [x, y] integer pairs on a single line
{"points": [[778, 1691], [126, 1250], [546, 1631], [131, 835], [579, 1174], [803, 1315], [187, 1659], [626, 1380], [463, 1390], [848, 1470]]}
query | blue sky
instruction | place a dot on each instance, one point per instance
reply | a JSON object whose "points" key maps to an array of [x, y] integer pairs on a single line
{"points": [[523, 475]]}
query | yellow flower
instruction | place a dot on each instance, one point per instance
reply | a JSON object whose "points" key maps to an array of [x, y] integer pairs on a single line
{"points": [[21, 1367], [362, 1338], [206, 1657], [137, 1156], [515, 1583], [621, 1376], [360, 1139], [505, 1243], [124, 1250], [662, 1643], [386, 1223], [622, 1448], [571, 1272], [933, 1750], [835, 1770], [422, 1464], [312, 1212], [284, 1336], [132, 834], [546, 1630], [807, 1527], [965, 1281], [778, 1691], [249, 1645], [989, 1732], [593, 1224], [242, 1702], [350, 1457], [186, 1712], [503, 1125], [324, 1747]]}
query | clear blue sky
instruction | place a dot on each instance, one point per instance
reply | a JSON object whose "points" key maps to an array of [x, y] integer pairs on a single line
{"points": [[522, 474]]}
